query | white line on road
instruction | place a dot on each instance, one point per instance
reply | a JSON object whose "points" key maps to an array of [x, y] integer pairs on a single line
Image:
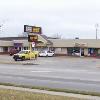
{"points": [[41, 71]]}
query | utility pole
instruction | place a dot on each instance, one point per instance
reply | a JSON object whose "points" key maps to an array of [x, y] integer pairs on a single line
{"points": [[96, 26]]}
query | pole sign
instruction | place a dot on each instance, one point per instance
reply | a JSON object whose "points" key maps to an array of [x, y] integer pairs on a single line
{"points": [[32, 29], [32, 38]]}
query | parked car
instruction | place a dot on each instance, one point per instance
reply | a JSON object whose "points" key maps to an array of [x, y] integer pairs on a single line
{"points": [[13, 51], [46, 54], [25, 54], [76, 54]]}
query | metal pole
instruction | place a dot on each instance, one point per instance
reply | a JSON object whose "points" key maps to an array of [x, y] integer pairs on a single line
{"points": [[96, 26], [30, 49], [96, 33]]}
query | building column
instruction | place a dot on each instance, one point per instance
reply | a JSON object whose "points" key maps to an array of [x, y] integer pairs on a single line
{"points": [[98, 51], [85, 51], [80, 51], [66, 51]]}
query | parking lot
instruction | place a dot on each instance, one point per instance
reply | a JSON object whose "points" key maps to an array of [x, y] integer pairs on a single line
{"points": [[58, 72], [60, 62]]}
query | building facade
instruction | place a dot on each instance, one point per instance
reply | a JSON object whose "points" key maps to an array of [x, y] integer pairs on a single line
{"points": [[70, 47]]}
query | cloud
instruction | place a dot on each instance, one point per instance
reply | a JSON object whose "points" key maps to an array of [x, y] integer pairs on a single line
{"points": [[54, 16]]}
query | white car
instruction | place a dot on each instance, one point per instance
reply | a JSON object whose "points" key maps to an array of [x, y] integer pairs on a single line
{"points": [[76, 54], [46, 54]]}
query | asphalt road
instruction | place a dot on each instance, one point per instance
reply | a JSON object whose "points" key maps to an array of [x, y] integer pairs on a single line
{"points": [[54, 72]]}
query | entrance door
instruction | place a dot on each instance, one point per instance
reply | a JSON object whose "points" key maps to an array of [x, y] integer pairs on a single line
{"points": [[82, 52]]}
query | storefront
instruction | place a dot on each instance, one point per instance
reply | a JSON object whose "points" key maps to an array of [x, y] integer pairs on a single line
{"points": [[70, 47], [93, 51]]}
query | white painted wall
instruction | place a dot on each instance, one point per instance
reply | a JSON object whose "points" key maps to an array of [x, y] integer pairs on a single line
{"points": [[1, 49], [86, 52], [60, 50], [98, 51]]}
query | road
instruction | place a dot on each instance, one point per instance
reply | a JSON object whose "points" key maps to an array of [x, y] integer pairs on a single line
{"points": [[55, 72]]}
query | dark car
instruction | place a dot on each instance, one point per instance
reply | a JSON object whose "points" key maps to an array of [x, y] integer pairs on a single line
{"points": [[13, 51]]}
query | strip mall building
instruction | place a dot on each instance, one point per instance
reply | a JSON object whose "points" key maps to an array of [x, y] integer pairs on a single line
{"points": [[87, 47]]}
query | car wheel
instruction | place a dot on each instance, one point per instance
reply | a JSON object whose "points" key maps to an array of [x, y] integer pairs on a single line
{"points": [[23, 58], [35, 56], [47, 55], [15, 59]]}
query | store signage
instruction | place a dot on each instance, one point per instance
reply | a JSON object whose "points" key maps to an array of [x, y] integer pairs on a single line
{"points": [[32, 38], [80, 44], [32, 29]]}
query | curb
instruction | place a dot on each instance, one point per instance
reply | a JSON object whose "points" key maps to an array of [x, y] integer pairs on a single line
{"points": [[19, 63]]}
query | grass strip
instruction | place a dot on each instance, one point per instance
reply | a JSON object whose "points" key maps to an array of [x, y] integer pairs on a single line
{"points": [[54, 89], [7, 94]]}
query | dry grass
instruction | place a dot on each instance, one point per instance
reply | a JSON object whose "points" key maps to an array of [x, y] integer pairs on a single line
{"points": [[18, 95], [54, 89]]}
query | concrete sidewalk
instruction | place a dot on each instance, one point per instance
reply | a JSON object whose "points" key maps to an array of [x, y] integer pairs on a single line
{"points": [[86, 97]]}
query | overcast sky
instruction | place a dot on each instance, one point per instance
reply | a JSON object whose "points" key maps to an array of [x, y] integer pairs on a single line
{"points": [[68, 18]]}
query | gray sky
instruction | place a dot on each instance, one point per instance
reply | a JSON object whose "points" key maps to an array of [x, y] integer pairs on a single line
{"points": [[69, 18]]}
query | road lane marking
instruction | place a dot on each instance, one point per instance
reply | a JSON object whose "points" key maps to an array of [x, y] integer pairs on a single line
{"points": [[41, 71]]}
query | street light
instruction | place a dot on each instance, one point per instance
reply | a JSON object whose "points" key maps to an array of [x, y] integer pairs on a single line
{"points": [[96, 26]]}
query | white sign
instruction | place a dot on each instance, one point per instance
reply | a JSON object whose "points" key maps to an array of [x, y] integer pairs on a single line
{"points": [[80, 44], [28, 29], [33, 44]]}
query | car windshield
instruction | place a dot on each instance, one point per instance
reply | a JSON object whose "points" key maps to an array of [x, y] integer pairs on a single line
{"points": [[21, 52], [50, 51]]}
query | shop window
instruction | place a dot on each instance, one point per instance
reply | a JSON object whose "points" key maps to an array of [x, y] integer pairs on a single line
{"points": [[76, 49], [5, 49], [92, 50], [70, 49], [25, 48]]}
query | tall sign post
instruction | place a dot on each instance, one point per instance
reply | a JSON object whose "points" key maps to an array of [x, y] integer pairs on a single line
{"points": [[32, 38], [33, 32]]}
